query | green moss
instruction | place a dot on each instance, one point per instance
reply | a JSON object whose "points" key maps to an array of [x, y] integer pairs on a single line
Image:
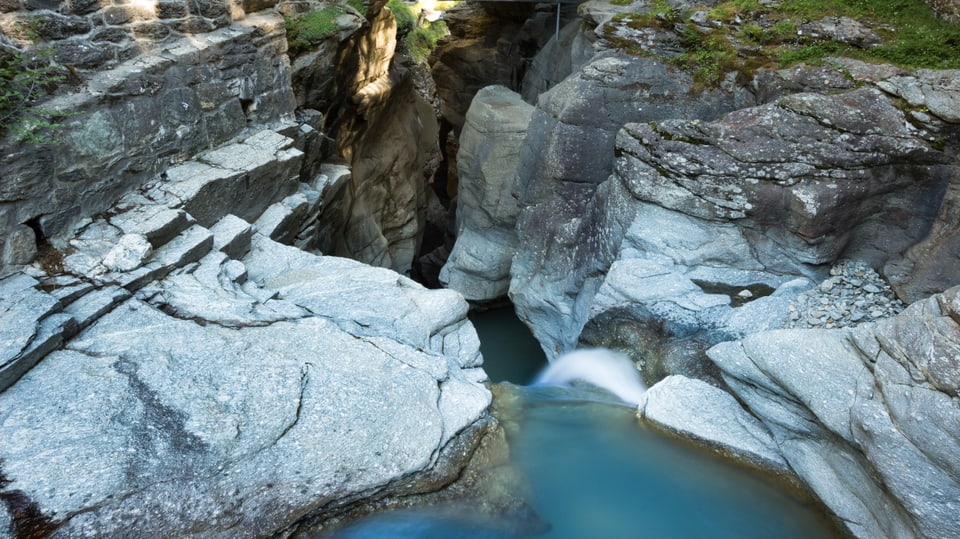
{"points": [[359, 5], [306, 30], [403, 15], [621, 2]]}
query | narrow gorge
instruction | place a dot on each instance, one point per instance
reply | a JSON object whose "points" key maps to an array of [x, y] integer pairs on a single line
{"points": [[244, 245]]}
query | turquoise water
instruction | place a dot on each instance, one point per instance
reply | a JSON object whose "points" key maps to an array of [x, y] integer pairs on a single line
{"points": [[593, 472], [511, 353]]}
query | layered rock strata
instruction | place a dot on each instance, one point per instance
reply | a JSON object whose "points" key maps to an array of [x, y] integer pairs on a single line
{"points": [[186, 374], [764, 196], [133, 121]]}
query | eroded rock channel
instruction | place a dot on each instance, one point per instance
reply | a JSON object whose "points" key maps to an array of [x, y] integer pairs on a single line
{"points": [[217, 225]]}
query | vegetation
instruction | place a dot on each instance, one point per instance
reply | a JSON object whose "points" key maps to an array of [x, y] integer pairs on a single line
{"points": [[740, 35], [404, 16], [423, 39], [25, 79], [306, 30], [359, 5]]}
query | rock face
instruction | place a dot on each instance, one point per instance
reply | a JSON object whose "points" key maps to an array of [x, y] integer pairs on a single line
{"points": [[753, 201], [866, 417], [479, 266], [387, 131], [568, 152], [142, 116], [223, 384]]}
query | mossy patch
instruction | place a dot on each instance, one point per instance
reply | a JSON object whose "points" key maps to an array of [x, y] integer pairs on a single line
{"points": [[741, 35], [307, 30]]}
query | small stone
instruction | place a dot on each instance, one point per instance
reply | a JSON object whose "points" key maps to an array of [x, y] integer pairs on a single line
{"points": [[827, 285], [855, 282], [871, 289], [128, 254], [745, 294], [814, 321], [876, 313]]}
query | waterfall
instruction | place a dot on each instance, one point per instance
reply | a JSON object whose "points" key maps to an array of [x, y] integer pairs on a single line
{"points": [[601, 367]]}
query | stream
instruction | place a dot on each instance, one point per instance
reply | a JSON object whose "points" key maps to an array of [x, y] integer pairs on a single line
{"points": [[594, 472]]}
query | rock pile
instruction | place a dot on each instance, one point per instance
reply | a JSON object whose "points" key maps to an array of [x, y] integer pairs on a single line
{"points": [[853, 294]]}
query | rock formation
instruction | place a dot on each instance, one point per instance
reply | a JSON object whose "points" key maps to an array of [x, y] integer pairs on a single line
{"points": [[190, 375], [141, 116], [866, 417], [479, 266]]}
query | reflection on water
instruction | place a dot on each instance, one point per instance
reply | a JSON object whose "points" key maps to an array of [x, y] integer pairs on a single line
{"points": [[510, 351], [594, 472]]}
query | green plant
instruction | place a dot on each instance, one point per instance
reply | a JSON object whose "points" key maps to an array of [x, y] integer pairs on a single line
{"points": [[358, 5], [422, 40], [25, 79], [403, 15], [306, 30]]}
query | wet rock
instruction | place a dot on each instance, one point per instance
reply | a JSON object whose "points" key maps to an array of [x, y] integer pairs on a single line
{"points": [[863, 415], [701, 412]]}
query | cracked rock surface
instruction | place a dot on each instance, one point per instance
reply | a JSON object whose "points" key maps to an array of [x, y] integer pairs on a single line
{"points": [[867, 417], [185, 377]]}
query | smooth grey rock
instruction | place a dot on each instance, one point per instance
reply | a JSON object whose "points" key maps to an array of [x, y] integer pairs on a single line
{"points": [[564, 233], [864, 415], [209, 294], [281, 221], [479, 265], [242, 179], [311, 283], [699, 411], [158, 223], [227, 433]]}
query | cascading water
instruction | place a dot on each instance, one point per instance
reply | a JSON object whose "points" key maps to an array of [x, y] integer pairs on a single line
{"points": [[593, 471], [600, 367]]}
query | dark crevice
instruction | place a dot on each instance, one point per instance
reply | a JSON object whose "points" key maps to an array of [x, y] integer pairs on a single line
{"points": [[27, 521]]}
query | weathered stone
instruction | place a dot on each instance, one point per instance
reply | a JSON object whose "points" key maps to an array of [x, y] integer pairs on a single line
{"points": [[218, 183], [281, 221], [84, 7], [231, 235], [84, 54], [20, 246], [53, 26], [128, 254], [699, 411], [172, 9], [863, 416], [153, 30], [479, 266], [87, 309]]}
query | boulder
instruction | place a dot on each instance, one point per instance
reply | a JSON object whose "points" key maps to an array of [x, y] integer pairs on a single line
{"points": [[866, 416], [479, 266]]}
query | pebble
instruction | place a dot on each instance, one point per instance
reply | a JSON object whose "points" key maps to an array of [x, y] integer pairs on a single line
{"points": [[854, 293]]}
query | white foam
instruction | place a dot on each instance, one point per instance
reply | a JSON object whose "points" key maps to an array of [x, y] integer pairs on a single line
{"points": [[603, 368]]}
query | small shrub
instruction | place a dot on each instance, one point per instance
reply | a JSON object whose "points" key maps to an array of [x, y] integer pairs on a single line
{"points": [[25, 79]]}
